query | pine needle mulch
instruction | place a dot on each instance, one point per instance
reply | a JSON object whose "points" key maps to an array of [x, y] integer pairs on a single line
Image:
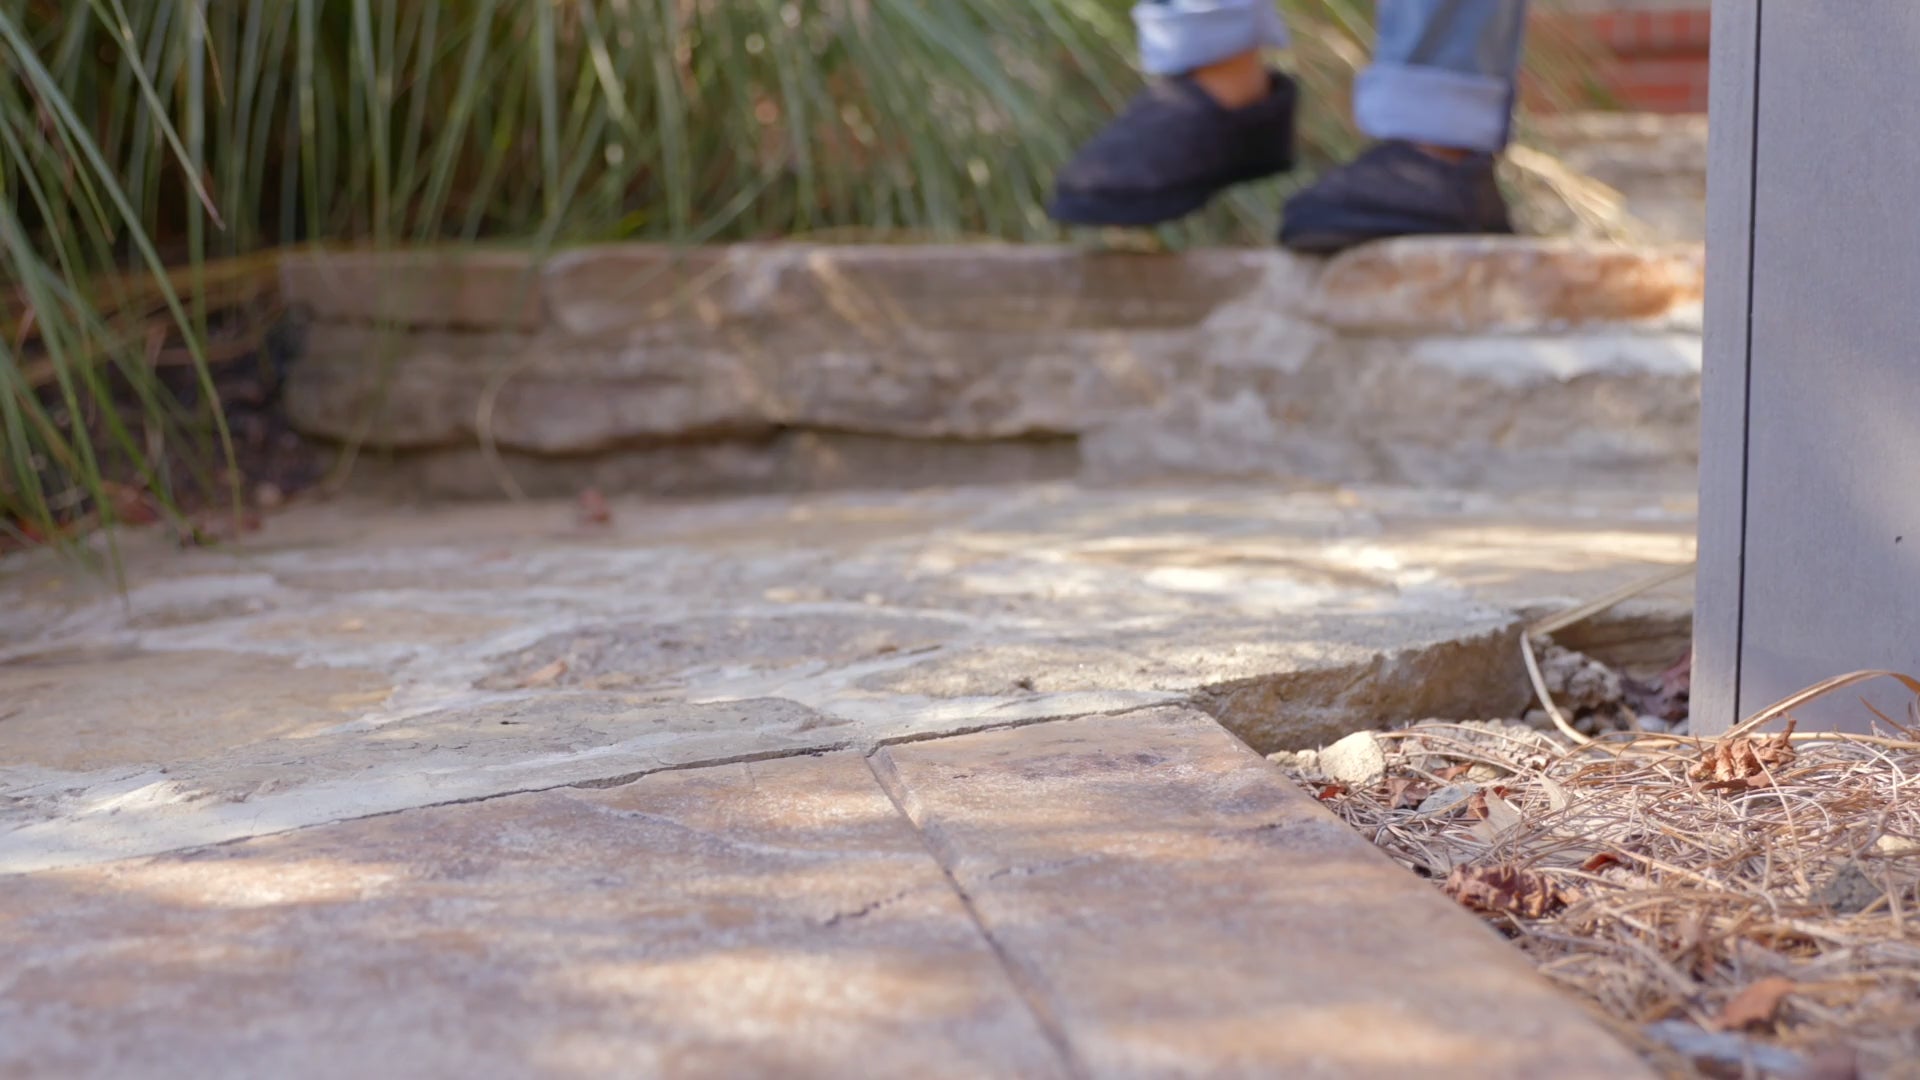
{"points": [[1747, 906]]}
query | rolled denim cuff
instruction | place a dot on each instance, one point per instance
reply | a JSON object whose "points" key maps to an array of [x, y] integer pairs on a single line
{"points": [[1177, 36], [1433, 105]]}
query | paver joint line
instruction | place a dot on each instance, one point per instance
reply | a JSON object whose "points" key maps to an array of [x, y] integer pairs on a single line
{"points": [[594, 784], [888, 777], [909, 738]]}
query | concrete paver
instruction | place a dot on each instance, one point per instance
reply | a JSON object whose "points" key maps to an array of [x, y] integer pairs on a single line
{"points": [[1137, 895], [1179, 910], [775, 919]]}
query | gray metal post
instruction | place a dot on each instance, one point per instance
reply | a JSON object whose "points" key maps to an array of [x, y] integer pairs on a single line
{"points": [[1809, 514]]}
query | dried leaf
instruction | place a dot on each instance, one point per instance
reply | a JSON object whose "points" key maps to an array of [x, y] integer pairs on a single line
{"points": [[1501, 818], [1405, 792], [1744, 762], [1756, 1005], [546, 676], [1505, 890], [1453, 772]]}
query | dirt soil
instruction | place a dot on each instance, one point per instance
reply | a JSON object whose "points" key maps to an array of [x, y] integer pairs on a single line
{"points": [[273, 462]]}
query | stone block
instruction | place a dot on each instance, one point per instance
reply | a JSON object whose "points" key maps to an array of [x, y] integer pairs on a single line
{"points": [[1009, 288], [643, 292], [1457, 410], [982, 342], [540, 394], [477, 290], [1455, 285], [787, 461], [994, 382], [1451, 361]]}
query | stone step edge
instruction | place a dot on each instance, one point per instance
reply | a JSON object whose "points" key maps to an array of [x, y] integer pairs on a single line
{"points": [[1409, 286]]}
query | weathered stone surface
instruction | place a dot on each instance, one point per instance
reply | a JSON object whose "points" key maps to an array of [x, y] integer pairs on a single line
{"points": [[152, 802], [1137, 895], [932, 344], [884, 295], [1489, 411], [1663, 361], [106, 709], [970, 385], [641, 292], [1543, 570], [654, 654], [753, 920], [883, 291], [418, 686], [1452, 360], [787, 462], [1506, 284], [1279, 684], [1619, 406], [1470, 411], [536, 394], [464, 289], [357, 659], [1112, 860]]}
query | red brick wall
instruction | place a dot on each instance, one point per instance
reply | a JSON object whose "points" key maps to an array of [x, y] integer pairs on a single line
{"points": [[1653, 60]]}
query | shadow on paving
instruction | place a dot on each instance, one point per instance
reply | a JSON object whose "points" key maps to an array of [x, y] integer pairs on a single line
{"points": [[1114, 896]]}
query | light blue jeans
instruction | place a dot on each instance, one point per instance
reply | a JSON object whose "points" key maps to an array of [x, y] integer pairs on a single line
{"points": [[1442, 70]]}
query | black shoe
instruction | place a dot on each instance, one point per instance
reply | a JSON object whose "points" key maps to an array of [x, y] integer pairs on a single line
{"points": [[1394, 189], [1173, 149]]}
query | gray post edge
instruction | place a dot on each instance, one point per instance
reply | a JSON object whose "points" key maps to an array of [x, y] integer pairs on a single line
{"points": [[1732, 107]]}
